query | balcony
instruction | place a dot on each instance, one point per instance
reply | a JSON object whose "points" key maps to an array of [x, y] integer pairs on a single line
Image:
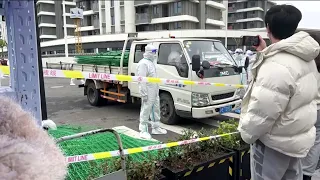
{"points": [[143, 18], [141, 2], [215, 4]]}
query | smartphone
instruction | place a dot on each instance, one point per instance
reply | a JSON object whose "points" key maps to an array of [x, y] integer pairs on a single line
{"points": [[250, 41]]}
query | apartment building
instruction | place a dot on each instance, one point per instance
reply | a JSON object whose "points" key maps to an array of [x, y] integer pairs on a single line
{"points": [[3, 28], [118, 16], [121, 16], [247, 14], [50, 19]]}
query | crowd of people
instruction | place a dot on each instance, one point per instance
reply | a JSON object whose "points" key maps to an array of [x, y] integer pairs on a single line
{"points": [[280, 114]]}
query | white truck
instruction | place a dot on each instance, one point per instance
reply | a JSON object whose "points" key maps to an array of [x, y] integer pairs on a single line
{"points": [[201, 60]]}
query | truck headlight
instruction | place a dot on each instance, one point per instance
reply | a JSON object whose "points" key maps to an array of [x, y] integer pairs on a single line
{"points": [[200, 100]]}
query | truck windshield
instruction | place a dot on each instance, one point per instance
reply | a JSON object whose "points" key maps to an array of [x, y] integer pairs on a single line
{"points": [[211, 51]]}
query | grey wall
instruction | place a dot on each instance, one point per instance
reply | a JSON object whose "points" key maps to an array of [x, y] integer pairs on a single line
{"points": [[189, 8], [213, 13], [46, 19], [202, 14], [59, 19], [48, 31], [46, 7]]}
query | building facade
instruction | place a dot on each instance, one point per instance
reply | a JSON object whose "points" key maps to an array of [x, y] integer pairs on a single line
{"points": [[120, 16], [50, 19], [247, 14]]}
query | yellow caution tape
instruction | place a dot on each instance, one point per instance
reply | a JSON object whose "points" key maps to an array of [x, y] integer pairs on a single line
{"points": [[104, 155], [115, 77]]}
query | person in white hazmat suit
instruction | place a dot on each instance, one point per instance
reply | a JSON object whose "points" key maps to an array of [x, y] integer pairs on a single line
{"points": [[251, 58], [149, 93]]}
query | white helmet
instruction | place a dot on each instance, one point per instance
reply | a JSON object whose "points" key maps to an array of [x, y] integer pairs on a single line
{"points": [[249, 53], [239, 51]]}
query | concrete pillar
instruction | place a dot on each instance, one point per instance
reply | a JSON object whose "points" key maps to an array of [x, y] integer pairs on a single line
{"points": [[130, 19], [202, 14]]}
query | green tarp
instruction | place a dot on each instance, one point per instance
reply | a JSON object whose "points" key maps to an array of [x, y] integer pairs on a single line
{"points": [[111, 58]]}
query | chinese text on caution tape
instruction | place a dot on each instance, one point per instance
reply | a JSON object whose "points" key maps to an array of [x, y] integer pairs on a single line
{"points": [[115, 77]]}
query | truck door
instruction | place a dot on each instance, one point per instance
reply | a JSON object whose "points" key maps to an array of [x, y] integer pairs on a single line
{"points": [[172, 64], [137, 54]]}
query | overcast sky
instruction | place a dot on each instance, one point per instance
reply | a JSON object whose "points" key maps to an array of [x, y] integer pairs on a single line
{"points": [[310, 12]]}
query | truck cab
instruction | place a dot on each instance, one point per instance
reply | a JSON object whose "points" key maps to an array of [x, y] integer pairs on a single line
{"points": [[201, 60]]}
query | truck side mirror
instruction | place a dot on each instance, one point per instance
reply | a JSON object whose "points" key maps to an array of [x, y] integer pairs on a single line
{"points": [[196, 63], [206, 65]]}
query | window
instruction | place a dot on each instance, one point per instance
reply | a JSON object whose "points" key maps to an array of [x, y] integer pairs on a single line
{"points": [[165, 26], [112, 3], [177, 8], [112, 20], [252, 25], [252, 3], [138, 52], [155, 10], [177, 25], [157, 27], [171, 54]]}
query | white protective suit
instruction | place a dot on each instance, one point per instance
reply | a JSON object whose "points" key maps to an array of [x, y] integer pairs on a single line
{"points": [[251, 57], [149, 92]]}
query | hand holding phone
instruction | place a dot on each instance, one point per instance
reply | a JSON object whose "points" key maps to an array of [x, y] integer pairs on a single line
{"points": [[254, 41], [250, 40]]}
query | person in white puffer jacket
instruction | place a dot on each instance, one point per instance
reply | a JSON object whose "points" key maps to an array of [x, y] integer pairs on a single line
{"points": [[279, 109], [310, 162]]}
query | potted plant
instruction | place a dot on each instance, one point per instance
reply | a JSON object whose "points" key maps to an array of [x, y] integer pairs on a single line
{"points": [[202, 160], [234, 142]]}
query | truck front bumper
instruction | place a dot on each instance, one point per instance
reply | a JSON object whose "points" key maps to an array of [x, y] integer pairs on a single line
{"points": [[210, 111]]}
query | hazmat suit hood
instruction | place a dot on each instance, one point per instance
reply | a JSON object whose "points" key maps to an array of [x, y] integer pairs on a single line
{"points": [[150, 52], [300, 44]]}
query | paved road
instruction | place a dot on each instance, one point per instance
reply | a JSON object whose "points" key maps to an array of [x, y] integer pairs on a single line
{"points": [[67, 105]]}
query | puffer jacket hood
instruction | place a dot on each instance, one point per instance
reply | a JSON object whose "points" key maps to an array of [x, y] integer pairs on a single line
{"points": [[300, 44], [280, 107]]}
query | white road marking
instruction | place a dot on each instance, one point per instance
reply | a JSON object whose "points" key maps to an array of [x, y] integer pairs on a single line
{"points": [[129, 132], [174, 128], [56, 87]]}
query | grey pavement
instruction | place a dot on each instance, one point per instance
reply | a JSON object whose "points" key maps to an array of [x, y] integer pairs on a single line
{"points": [[67, 105]]}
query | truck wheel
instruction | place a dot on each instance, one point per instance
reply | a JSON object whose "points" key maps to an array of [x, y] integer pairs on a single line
{"points": [[168, 111], [93, 94]]}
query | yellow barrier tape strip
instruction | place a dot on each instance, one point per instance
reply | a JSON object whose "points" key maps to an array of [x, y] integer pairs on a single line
{"points": [[5, 70], [116, 153], [172, 144], [135, 150], [123, 78], [102, 155], [73, 74], [105, 76]]}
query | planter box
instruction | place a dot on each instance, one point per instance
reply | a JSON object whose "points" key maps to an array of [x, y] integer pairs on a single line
{"points": [[220, 168], [242, 164]]}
